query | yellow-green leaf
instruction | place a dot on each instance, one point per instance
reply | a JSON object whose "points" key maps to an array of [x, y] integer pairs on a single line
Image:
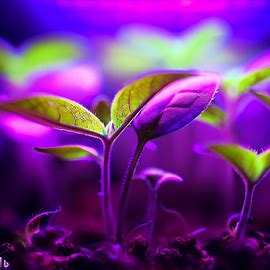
{"points": [[263, 97], [70, 152], [247, 163], [58, 113], [213, 115], [130, 99]]}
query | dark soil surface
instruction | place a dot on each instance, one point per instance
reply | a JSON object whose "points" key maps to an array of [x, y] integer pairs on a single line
{"points": [[49, 250]]}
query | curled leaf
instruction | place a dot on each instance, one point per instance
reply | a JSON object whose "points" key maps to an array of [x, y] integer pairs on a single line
{"points": [[40, 221], [70, 152], [263, 97], [101, 108], [213, 116], [56, 112], [175, 106], [130, 99], [247, 163]]}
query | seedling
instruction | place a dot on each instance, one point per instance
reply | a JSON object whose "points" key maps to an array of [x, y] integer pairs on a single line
{"points": [[234, 94], [67, 115], [176, 106], [251, 167], [155, 179]]}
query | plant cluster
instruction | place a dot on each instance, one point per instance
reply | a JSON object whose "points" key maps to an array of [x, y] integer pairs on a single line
{"points": [[154, 105]]}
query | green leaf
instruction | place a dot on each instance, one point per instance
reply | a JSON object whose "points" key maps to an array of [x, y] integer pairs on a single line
{"points": [[101, 109], [247, 163], [253, 78], [70, 152], [38, 56], [130, 99], [263, 97], [213, 116], [58, 113]]}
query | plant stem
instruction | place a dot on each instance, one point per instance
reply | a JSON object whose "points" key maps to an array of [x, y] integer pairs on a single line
{"points": [[106, 191], [151, 216], [245, 213], [125, 190]]}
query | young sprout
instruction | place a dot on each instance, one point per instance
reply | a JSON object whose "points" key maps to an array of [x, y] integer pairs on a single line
{"points": [[155, 179], [176, 106], [67, 115], [251, 167], [41, 235]]}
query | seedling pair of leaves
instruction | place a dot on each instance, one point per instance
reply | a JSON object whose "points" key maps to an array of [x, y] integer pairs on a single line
{"points": [[235, 86], [251, 167], [156, 104]]}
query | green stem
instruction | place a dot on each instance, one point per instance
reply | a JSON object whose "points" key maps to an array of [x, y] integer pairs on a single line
{"points": [[106, 191], [245, 213], [125, 190]]}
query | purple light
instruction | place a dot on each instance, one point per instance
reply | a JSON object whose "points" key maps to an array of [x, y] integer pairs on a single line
{"points": [[75, 82], [17, 126]]}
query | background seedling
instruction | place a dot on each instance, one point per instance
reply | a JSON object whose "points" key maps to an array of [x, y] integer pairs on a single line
{"points": [[70, 116], [235, 90], [172, 108], [155, 179], [251, 167]]}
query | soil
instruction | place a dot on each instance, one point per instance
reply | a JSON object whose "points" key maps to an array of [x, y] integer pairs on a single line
{"points": [[48, 249]]}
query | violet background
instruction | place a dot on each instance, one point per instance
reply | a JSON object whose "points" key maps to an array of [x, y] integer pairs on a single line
{"points": [[31, 181]]}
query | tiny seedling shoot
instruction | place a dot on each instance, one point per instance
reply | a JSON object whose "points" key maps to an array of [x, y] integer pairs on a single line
{"points": [[155, 179], [160, 102], [251, 167]]}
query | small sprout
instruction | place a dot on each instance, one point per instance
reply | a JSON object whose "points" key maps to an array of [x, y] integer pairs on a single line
{"points": [[252, 167], [39, 222], [265, 98], [70, 152], [101, 108], [155, 179], [213, 116]]}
